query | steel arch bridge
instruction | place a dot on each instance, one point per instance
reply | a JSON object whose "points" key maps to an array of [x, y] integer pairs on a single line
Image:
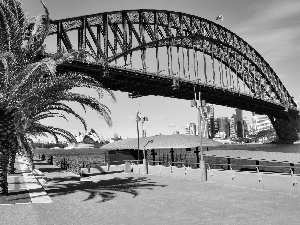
{"points": [[187, 54]]}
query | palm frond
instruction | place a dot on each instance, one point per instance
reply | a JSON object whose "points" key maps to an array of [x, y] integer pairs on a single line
{"points": [[29, 82], [39, 129], [91, 102], [59, 106], [38, 34], [49, 115], [15, 23]]}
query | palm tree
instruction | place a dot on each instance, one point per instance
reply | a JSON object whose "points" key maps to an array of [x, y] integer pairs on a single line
{"points": [[30, 87], [30, 126]]}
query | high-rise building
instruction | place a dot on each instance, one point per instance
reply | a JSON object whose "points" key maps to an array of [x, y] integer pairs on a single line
{"points": [[223, 124], [261, 122], [239, 123], [144, 133], [216, 125], [190, 129], [210, 120], [187, 129], [247, 126], [232, 131], [238, 114]]}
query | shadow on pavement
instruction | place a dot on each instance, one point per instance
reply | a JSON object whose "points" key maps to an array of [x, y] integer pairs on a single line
{"points": [[51, 170], [107, 189]]}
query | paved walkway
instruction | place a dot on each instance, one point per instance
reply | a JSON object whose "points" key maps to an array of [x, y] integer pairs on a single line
{"points": [[25, 186], [118, 198]]}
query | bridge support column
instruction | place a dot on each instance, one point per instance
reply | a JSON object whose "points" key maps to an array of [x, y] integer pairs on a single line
{"points": [[287, 128]]}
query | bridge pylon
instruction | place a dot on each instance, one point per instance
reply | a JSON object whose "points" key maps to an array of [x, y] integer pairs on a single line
{"points": [[287, 128]]}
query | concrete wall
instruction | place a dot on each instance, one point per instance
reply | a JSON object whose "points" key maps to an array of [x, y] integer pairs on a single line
{"points": [[267, 181], [289, 183]]}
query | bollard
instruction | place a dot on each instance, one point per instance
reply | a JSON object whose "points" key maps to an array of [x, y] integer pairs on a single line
{"points": [[127, 167], [144, 167], [203, 171]]}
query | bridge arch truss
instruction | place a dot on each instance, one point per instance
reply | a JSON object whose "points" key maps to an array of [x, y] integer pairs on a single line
{"points": [[114, 35]]}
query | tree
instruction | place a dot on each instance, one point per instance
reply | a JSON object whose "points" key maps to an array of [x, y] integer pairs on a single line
{"points": [[269, 134], [30, 87]]}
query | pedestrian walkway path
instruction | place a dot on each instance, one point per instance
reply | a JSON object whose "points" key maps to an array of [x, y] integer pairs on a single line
{"points": [[25, 182], [131, 198], [33, 184]]}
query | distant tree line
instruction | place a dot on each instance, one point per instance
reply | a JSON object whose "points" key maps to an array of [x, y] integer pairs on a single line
{"points": [[50, 145]]}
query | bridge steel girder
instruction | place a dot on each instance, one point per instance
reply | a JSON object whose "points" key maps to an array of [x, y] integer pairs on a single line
{"points": [[158, 28]]}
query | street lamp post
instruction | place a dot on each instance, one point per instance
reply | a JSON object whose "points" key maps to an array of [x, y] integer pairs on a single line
{"points": [[138, 118], [202, 162], [142, 119], [145, 165]]}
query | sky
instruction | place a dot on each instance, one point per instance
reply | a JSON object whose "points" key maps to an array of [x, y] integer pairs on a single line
{"points": [[272, 27]]}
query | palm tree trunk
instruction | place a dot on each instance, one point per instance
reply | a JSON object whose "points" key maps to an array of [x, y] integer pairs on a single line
{"points": [[14, 146], [7, 143], [4, 159], [12, 159]]}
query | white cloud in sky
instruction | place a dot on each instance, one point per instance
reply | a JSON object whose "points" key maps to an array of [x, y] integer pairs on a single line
{"points": [[172, 125], [274, 31]]}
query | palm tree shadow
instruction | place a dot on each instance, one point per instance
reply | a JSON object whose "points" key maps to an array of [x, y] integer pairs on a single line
{"points": [[106, 189]]}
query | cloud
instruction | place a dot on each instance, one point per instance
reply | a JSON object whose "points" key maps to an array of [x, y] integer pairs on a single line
{"points": [[273, 31], [131, 117], [278, 12], [172, 125]]}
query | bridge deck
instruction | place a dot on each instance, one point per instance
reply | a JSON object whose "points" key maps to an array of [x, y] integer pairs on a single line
{"points": [[145, 84]]}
